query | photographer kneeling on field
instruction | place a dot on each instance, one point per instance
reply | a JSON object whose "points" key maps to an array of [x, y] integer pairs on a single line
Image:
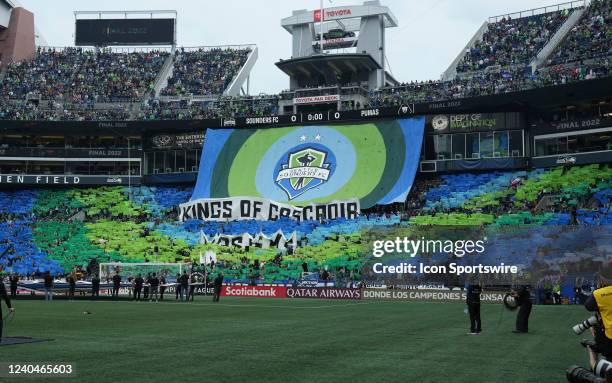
{"points": [[601, 302], [601, 328]]}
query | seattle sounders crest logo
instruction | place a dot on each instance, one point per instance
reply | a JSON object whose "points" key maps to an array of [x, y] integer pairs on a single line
{"points": [[305, 169]]}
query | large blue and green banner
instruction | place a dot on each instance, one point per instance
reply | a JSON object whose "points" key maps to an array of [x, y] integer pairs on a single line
{"points": [[374, 163]]}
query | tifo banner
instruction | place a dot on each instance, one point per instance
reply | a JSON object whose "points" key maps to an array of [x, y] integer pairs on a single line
{"points": [[254, 291], [373, 162], [323, 293], [430, 295], [277, 240], [241, 208]]}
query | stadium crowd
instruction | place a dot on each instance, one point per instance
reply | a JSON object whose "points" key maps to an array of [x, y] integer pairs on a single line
{"points": [[483, 83], [82, 85], [223, 107], [204, 71], [479, 84], [81, 76], [512, 41], [55, 231], [590, 38]]}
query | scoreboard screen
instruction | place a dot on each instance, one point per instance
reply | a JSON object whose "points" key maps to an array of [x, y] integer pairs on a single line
{"points": [[105, 32]]}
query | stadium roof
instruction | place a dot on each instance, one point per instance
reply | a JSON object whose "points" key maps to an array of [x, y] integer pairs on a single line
{"points": [[322, 64]]}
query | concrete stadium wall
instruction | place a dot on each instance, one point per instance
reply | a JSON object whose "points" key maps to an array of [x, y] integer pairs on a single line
{"points": [[17, 42]]}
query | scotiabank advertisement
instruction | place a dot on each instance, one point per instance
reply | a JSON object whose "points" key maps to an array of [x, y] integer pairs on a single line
{"points": [[254, 291]]}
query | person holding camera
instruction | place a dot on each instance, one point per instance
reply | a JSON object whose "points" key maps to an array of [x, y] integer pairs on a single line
{"points": [[601, 328], [601, 302]]}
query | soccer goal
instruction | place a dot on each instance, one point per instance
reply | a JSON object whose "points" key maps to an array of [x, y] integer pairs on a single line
{"points": [[168, 270]]}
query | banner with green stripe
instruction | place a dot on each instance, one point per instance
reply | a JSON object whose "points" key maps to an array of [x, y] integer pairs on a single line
{"points": [[374, 162]]}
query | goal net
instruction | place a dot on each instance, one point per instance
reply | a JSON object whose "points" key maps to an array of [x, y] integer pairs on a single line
{"points": [[126, 270]]}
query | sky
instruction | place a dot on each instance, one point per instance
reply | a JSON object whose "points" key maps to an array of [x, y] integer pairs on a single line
{"points": [[431, 33]]}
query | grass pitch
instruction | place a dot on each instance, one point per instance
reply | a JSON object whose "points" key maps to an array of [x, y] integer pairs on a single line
{"points": [[270, 340]]}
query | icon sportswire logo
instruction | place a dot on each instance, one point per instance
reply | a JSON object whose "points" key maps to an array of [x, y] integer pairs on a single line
{"points": [[304, 170]]}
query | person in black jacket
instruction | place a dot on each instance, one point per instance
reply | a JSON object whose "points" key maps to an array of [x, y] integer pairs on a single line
{"points": [[523, 299], [162, 287], [154, 289], [48, 283], [325, 276], [116, 285], [192, 287], [95, 286], [7, 300], [473, 304], [178, 287], [138, 282], [147, 286], [71, 286], [14, 279], [184, 286], [218, 283]]}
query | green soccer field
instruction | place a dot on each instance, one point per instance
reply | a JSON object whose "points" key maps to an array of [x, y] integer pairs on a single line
{"points": [[270, 340]]}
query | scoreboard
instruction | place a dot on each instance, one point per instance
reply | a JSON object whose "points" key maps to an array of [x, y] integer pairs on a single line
{"points": [[107, 32]]}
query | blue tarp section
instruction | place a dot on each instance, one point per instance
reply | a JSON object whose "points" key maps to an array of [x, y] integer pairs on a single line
{"points": [[19, 254]]}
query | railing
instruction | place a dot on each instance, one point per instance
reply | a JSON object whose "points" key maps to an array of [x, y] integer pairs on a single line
{"points": [[60, 105], [513, 68], [143, 49], [286, 95], [217, 47], [164, 48], [409, 86], [305, 92], [265, 97], [62, 152], [354, 90], [189, 98], [540, 11], [600, 60], [336, 51]]}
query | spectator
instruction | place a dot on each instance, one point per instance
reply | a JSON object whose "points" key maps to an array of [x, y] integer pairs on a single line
{"points": [[589, 38], [48, 283], [512, 41], [205, 71]]}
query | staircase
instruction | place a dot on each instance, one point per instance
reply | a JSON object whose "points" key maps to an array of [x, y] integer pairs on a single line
{"points": [[233, 89], [556, 39], [164, 74], [451, 71]]}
